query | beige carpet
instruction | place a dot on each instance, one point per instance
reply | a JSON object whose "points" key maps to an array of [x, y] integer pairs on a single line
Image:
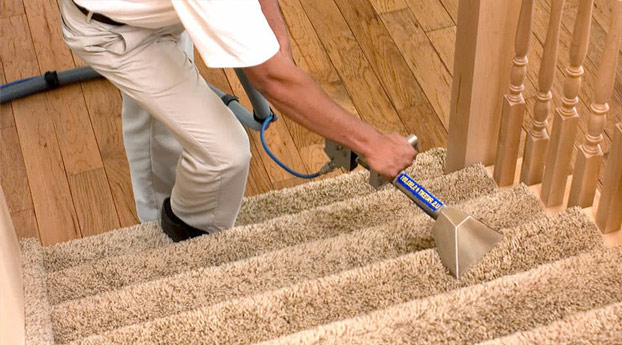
{"points": [[333, 262], [596, 326]]}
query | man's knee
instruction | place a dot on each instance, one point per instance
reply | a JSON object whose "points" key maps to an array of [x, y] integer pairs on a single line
{"points": [[240, 158], [233, 157]]}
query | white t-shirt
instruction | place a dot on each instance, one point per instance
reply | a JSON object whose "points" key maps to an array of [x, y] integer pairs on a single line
{"points": [[227, 33]]}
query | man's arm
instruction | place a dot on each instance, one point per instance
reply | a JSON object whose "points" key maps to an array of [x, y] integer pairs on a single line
{"points": [[297, 96], [272, 12]]}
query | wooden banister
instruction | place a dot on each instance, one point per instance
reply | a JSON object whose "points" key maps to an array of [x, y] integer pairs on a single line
{"points": [[566, 118], [537, 142], [514, 102], [609, 213], [590, 154]]}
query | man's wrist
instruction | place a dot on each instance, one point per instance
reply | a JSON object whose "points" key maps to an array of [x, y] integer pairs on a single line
{"points": [[365, 139]]}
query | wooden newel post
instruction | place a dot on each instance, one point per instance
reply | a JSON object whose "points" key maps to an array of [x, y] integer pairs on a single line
{"points": [[514, 102], [537, 142], [484, 50], [566, 118], [609, 214], [590, 155]]}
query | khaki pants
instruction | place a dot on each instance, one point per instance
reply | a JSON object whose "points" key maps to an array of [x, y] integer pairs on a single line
{"points": [[148, 66]]}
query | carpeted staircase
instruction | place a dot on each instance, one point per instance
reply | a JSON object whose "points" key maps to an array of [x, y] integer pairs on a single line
{"points": [[335, 262]]}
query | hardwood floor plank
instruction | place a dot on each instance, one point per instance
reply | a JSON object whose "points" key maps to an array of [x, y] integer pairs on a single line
{"points": [[10, 8], [117, 171], [300, 135], [6, 109], [383, 52], [13, 171], [25, 223], [103, 101], [93, 200], [384, 6], [452, 8], [422, 59], [422, 121], [444, 41], [430, 14], [361, 82], [71, 119], [309, 55], [52, 201], [313, 58], [601, 12]]}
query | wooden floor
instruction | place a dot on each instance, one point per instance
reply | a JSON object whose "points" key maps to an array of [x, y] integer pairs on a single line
{"points": [[64, 171]]}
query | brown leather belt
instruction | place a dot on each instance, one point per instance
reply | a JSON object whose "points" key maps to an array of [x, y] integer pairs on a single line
{"points": [[98, 16]]}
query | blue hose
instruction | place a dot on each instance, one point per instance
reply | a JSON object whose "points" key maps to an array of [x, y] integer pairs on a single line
{"points": [[36, 84], [16, 82], [276, 160]]}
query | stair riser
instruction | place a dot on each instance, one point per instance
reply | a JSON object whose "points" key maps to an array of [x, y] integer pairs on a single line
{"points": [[360, 291], [243, 242], [274, 270]]}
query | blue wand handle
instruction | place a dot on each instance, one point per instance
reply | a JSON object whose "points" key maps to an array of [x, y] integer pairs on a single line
{"points": [[419, 195]]}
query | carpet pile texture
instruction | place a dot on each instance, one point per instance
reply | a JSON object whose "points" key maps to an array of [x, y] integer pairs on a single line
{"points": [[335, 262]]}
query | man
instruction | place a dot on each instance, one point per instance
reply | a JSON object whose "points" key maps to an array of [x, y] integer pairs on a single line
{"points": [[139, 45]]}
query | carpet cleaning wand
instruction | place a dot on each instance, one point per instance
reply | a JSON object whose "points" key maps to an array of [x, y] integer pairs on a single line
{"points": [[461, 240]]}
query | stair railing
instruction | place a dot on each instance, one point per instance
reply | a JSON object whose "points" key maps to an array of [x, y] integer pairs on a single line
{"points": [[566, 118], [590, 154], [548, 161], [537, 142], [514, 102]]}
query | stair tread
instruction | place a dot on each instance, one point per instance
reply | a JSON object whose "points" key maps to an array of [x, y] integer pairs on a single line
{"points": [[113, 243], [597, 326], [38, 326], [380, 285], [277, 269], [259, 208], [254, 209], [496, 308], [247, 241]]}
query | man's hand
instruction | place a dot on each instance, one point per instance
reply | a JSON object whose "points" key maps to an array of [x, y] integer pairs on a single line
{"points": [[389, 154]]}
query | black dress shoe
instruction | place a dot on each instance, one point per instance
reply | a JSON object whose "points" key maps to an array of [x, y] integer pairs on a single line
{"points": [[176, 228]]}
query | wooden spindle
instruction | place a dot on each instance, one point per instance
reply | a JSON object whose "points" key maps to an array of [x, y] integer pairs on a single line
{"points": [[590, 155], [609, 214], [514, 102], [566, 118], [537, 141]]}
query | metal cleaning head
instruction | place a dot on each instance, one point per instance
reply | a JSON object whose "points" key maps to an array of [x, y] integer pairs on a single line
{"points": [[462, 240]]}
